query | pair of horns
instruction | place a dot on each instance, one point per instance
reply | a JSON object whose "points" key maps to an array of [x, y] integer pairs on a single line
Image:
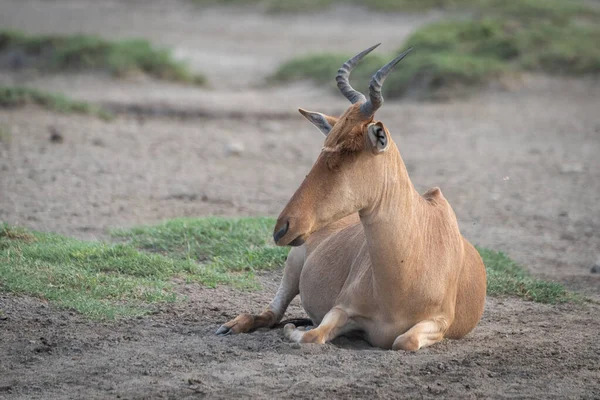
{"points": [[375, 101]]}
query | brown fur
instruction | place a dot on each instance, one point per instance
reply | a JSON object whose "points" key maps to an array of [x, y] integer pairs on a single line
{"points": [[377, 258]]}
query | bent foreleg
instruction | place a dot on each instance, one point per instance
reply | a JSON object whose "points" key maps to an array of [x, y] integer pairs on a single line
{"points": [[288, 289]]}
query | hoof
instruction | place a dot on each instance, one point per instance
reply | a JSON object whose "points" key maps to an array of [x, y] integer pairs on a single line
{"points": [[241, 324], [223, 331], [288, 329]]}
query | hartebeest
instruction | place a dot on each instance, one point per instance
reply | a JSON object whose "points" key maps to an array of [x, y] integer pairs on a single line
{"points": [[371, 255]]}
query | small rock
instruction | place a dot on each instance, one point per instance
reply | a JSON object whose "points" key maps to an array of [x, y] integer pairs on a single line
{"points": [[295, 345], [42, 349], [596, 268], [55, 135], [234, 149], [98, 142]]}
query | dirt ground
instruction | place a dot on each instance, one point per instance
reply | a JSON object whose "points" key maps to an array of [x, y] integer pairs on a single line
{"points": [[520, 166]]}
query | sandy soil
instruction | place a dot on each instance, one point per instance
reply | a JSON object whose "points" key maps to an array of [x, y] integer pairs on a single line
{"points": [[519, 166], [520, 350]]}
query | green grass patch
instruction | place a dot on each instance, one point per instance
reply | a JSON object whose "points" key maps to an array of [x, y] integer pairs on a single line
{"points": [[86, 52], [500, 38], [507, 278], [242, 244], [107, 281], [538, 46], [18, 96]]}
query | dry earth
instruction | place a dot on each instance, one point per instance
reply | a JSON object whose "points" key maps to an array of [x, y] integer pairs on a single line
{"points": [[520, 167]]}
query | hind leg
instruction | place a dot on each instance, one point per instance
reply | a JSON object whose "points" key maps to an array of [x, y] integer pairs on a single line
{"points": [[288, 289], [423, 334], [334, 324]]}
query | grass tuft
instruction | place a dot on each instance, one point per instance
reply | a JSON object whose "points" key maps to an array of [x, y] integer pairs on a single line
{"points": [[19, 96], [506, 278], [85, 52], [107, 281], [15, 233], [499, 38]]}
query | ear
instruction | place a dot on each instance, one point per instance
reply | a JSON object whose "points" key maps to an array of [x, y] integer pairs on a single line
{"points": [[324, 122], [378, 137]]}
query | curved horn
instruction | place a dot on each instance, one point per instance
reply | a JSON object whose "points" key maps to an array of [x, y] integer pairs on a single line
{"points": [[375, 97], [343, 77]]}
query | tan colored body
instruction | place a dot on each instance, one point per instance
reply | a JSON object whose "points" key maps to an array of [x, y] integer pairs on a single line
{"points": [[338, 273], [374, 256], [422, 271]]}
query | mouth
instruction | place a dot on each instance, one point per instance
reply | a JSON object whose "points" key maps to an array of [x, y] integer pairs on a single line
{"points": [[279, 237], [299, 241]]}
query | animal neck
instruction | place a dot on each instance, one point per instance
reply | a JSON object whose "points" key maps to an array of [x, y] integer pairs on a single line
{"points": [[390, 225]]}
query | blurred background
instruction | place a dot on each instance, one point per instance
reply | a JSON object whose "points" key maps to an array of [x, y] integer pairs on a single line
{"points": [[116, 113]]}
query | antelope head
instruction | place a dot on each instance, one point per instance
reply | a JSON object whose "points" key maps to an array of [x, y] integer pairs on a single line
{"points": [[356, 162]]}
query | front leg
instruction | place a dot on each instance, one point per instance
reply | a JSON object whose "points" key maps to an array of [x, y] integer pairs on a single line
{"points": [[248, 322], [335, 323], [288, 289]]}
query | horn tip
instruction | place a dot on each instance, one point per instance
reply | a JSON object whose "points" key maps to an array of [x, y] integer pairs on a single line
{"points": [[367, 51], [400, 57]]}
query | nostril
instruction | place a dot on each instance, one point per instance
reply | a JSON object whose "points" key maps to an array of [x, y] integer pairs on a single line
{"points": [[280, 233]]}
